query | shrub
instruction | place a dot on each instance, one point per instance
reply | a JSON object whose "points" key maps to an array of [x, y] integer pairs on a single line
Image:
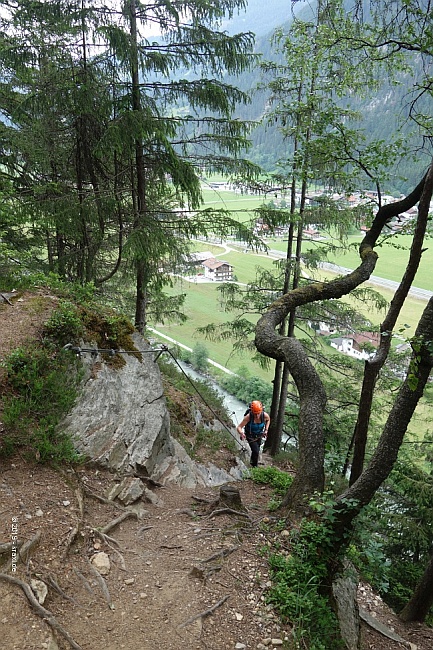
{"points": [[41, 387], [273, 476], [297, 590], [64, 325]]}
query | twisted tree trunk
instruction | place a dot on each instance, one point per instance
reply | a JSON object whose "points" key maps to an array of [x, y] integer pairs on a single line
{"points": [[310, 475]]}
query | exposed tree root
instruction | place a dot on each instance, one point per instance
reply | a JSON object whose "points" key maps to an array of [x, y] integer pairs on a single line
{"points": [[50, 579], [202, 500], [24, 551], [223, 511], [45, 614], [98, 497], [84, 581], [75, 531], [207, 612], [222, 553], [102, 584], [6, 547], [115, 522]]}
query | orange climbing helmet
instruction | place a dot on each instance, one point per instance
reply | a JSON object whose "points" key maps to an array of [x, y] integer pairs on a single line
{"points": [[256, 407]]}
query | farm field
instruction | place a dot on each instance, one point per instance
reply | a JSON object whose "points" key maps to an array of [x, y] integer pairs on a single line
{"points": [[393, 252], [392, 260], [241, 205], [203, 306], [203, 303]]}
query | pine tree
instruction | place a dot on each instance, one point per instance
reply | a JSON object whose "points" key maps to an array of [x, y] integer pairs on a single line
{"points": [[114, 136]]}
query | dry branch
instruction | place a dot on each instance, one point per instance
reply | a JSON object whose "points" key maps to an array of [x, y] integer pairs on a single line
{"points": [[207, 612], [45, 614]]}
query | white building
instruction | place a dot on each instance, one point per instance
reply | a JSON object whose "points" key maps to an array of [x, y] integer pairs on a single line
{"points": [[352, 345], [218, 270]]}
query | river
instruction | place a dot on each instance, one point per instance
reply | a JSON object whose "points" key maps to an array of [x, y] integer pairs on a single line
{"points": [[235, 408]]}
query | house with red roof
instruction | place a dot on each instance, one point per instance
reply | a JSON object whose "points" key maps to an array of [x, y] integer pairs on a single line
{"points": [[218, 270]]}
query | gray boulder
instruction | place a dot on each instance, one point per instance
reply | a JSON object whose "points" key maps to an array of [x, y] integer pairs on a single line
{"points": [[121, 421]]}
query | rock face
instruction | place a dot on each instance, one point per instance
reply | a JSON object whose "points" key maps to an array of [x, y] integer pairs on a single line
{"points": [[344, 589], [121, 421]]}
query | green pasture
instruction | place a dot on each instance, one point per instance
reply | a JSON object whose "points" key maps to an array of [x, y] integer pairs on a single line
{"points": [[393, 256], [241, 205], [393, 250], [203, 306], [245, 266], [410, 314]]}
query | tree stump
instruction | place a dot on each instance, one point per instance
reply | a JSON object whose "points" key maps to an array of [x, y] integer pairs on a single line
{"points": [[230, 498]]}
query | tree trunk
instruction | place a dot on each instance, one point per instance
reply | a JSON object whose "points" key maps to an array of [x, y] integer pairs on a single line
{"points": [[230, 497], [140, 177], [140, 298], [273, 412], [276, 441], [422, 599], [311, 392], [351, 502], [372, 368]]}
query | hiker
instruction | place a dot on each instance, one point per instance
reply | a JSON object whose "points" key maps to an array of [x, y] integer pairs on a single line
{"points": [[254, 428]]}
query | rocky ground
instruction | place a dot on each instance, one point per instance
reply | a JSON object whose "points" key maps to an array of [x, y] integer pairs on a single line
{"points": [[183, 575], [178, 577]]}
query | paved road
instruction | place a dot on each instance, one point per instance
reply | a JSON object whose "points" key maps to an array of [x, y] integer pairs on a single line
{"points": [[422, 294]]}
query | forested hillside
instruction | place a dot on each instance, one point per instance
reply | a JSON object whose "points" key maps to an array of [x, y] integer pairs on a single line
{"points": [[383, 114]]}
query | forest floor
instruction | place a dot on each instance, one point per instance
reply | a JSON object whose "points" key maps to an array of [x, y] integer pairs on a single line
{"points": [[181, 577]]}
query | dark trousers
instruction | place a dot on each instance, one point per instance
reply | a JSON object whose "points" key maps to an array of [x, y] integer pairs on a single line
{"points": [[254, 444]]}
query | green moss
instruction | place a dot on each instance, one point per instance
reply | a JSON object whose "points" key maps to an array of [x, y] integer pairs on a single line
{"points": [[110, 331]]}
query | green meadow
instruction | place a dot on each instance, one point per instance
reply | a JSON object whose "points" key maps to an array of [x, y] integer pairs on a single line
{"points": [[203, 302], [241, 205], [203, 306], [393, 256]]}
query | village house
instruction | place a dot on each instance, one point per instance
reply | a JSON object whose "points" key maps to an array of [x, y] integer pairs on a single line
{"points": [[218, 270], [354, 345], [321, 328]]}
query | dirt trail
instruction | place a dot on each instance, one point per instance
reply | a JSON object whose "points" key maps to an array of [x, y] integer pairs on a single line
{"points": [[166, 568]]}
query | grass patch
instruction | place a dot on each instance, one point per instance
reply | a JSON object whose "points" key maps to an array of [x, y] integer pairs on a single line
{"points": [[40, 389], [203, 306], [280, 482]]}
